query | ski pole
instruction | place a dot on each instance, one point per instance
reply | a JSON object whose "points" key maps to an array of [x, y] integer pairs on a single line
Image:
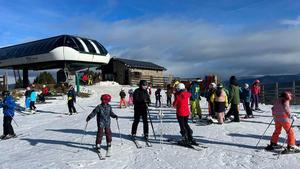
{"points": [[15, 122], [80, 106], [119, 131], [287, 134], [264, 132], [151, 124], [84, 132], [161, 125]]}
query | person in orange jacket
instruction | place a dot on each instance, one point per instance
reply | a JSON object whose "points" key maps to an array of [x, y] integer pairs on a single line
{"points": [[281, 114]]}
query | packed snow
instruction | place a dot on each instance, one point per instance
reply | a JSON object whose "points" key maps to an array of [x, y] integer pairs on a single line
{"points": [[51, 139]]}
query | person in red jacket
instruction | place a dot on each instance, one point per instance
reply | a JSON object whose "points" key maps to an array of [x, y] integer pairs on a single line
{"points": [[255, 91], [181, 103]]}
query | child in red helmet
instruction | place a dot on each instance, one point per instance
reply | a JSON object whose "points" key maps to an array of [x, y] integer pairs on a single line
{"points": [[281, 114], [103, 112]]}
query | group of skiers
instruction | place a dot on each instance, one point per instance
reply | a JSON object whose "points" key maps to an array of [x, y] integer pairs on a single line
{"points": [[218, 97]]}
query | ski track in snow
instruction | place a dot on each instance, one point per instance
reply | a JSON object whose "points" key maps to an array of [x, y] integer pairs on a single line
{"points": [[51, 139]]}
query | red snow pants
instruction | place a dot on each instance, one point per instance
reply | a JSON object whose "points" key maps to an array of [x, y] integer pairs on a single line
{"points": [[290, 133]]}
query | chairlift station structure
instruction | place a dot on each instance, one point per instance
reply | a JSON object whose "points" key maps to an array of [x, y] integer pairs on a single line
{"points": [[59, 52]]}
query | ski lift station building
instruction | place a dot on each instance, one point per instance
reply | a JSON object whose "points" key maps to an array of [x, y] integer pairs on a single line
{"points": [[59, 52]]}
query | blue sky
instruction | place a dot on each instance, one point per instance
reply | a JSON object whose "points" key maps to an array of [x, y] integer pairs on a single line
{"points": [[189, 38]]}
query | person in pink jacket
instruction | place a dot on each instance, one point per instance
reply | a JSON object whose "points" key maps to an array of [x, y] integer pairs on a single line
{"points": [[255, 91]]}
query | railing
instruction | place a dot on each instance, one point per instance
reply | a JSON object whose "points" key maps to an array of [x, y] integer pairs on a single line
{"points": [[270, 92]]}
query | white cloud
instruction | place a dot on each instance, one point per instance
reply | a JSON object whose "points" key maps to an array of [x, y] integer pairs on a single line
{"points": [[291, 22], [193, 48]]}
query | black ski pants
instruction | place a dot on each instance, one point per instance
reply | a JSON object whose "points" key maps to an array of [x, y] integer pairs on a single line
{"points": [[248, 109], [7, 127], [138, 112], [71, 107], [169, 101], [234, 110], [32, 106], [185, 130]]}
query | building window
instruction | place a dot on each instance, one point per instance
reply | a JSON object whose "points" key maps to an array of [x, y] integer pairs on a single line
{"points": [[137, 75]]}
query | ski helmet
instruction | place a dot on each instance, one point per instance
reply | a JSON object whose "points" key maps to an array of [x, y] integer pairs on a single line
{"points": [[180, 86], [220, 85], [105, 98], [213, 85], [246, 85], [257, 81]]}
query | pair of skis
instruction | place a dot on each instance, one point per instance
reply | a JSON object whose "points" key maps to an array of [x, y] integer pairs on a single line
{"points": [[197, 147], [138, 145], [101, 157]]}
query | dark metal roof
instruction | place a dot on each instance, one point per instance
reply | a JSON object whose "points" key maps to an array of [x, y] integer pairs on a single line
{"points": [[140, 64], [46, 45]]}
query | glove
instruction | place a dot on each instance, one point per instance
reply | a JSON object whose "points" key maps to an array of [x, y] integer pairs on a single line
{"points": [[88, 119], [116, 117]]}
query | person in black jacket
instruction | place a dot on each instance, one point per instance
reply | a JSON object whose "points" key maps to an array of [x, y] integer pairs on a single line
{"points": [[71, 100], [141, 100]]}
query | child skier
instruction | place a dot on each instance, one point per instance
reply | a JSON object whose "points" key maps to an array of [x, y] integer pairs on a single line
{"points": [[181, 103], [255, 91], [246, 97], [130, 98], [33, 97], [281, 114], [8, 104], [157, 97], [71, 100], [122, 98], [27, 98], [211, 91], [103, 112]]}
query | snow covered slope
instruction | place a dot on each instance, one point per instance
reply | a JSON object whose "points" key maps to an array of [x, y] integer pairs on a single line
{"points": [[51, 139]]}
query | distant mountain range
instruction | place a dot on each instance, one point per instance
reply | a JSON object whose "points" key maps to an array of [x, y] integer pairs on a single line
{"points": [[269, 79]]}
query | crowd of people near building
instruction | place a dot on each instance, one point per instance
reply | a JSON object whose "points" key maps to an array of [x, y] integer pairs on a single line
{"points": [[223, 105]]}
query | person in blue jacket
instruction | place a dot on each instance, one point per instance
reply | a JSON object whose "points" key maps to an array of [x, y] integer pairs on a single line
{"points": [[246, 98], [8, 104], [33, 97]]}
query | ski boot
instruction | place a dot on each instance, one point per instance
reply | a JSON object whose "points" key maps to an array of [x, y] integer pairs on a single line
{"points": [[108, 152], [293, 149], [193, 142], [272, 146], [184, 142], [10, 136], [2, 136], [98, 147]]}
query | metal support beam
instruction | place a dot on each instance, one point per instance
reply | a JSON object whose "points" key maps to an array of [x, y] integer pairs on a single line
{"points": [[25, 78]]}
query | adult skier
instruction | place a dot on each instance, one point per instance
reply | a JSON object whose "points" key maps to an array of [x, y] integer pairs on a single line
{"points": [[71, 100], [246, 97], [8, 104], [281, 114], [141, 100], [195, 99], [181, 103], [220, 102], [233, 99], [169, 94], [103, 112]]}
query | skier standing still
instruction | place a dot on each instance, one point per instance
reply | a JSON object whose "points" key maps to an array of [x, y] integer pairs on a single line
{"points": [[141, 100], [181, 103], [71, 100], [8, 104], [103, 112], [281, 114]]}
